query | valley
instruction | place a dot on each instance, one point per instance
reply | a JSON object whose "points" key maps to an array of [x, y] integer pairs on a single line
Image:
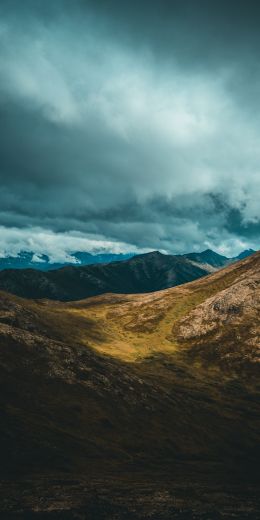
{"points": [[135, 404]]}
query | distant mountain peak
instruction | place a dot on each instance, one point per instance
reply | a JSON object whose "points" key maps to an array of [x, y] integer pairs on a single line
{"points": [[155, 253], [149, 256], [212, 253], [208, 257], [245, 254]]}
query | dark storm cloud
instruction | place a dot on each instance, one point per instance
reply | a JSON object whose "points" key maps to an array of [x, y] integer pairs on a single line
{"points": [[131, 122], [200, 31]]}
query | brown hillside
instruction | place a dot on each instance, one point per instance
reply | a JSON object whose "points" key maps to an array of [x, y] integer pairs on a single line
{"points": [[162, 386]]}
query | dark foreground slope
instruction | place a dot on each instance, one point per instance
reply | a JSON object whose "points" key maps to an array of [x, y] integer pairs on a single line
{"points": [[139, 406]]}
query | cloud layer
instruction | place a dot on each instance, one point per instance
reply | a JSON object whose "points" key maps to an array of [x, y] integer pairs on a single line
{"points": [[135, 125]]}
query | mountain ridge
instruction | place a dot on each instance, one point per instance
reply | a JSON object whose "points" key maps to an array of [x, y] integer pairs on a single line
{"points": [[41, 262], [30, 259], [142, 273]]}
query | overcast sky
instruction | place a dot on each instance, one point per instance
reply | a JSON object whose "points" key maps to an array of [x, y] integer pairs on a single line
{"points": [[129, 125]]}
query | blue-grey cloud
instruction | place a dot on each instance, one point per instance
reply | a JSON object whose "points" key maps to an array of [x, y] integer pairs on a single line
{"points": [[136, 123]]}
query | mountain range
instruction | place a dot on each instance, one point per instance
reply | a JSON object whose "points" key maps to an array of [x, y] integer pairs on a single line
{"points": [[29, 259], [133, 406], [142, 273], [32, 260]]}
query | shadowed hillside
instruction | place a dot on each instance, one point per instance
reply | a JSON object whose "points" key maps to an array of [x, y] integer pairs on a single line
{"points": [[143, 273], [42, 262], [160, 390]]}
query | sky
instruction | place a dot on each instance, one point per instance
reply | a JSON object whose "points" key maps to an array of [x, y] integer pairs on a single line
{"points": [[129, 126]]}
